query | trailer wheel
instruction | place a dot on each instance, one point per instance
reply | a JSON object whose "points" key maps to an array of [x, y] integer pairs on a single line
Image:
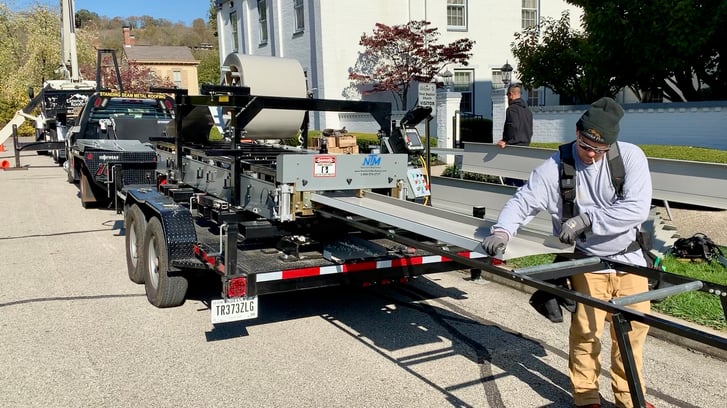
{"points": [[162, 288], [134, 223]]}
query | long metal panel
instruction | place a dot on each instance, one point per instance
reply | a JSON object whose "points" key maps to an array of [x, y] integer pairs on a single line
{"points": [[444, 226], [462, 195], [689, 182], [680, 181]]}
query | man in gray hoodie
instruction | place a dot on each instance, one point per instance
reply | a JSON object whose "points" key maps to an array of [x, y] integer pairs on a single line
{"points": [[604, 224]]}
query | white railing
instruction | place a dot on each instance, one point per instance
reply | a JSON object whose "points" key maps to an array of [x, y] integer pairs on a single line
{"points": [[679, 181]]}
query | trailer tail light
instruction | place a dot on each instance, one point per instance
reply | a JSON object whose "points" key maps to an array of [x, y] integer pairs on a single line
{"points": [[236, 287]]}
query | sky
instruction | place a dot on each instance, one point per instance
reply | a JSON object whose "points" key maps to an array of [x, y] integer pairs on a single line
{"points": [[184, 11]]}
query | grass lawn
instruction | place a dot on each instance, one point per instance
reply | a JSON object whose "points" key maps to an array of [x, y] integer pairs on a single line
{"points": [[698, 307]]}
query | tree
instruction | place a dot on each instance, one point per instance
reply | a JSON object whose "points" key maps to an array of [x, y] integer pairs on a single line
{"points": [[553, 55], [208, 70], [661, 45], [84, 17], [134, 77], [212, 16], [395, 56], [29, 52]]}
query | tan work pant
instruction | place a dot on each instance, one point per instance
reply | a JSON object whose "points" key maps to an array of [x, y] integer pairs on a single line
{"points": [[586, 327]]}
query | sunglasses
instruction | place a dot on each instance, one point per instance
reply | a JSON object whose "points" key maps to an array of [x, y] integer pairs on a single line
{"points": [[585, 146]]}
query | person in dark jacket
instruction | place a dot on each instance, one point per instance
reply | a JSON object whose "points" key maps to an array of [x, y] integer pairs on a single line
{"points": [[518, 128], [518, 120]]}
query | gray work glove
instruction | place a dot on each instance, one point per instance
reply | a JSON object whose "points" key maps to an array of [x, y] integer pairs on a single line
{"points": [[574, 227], [497, 242]]}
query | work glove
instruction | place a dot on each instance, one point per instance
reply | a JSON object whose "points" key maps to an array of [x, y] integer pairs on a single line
{"points": [[496, 242], [573, 228]]}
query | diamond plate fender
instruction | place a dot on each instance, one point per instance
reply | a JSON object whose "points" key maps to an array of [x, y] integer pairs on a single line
{"points": [[176, 220]]}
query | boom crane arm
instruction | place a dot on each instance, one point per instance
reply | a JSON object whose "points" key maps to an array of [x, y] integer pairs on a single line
{"points": [[69, 55]]}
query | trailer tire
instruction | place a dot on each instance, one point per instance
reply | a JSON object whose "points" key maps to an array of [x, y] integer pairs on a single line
{"points": [[134, 224], [162, 288]]}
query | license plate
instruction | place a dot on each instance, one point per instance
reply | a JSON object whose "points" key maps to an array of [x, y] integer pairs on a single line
{"points": [[233, 310]]}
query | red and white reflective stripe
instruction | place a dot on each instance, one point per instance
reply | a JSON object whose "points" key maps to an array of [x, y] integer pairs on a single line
{"points": [[359, 267]]}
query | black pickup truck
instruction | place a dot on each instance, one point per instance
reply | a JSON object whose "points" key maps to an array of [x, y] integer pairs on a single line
{"points": [[108, 148]]}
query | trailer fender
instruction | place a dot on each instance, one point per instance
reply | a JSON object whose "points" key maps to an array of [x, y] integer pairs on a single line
{"points": [[176, 220]]}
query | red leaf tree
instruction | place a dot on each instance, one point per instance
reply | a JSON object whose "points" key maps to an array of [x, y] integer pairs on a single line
{"points": [[134, 77], [395, 56]]}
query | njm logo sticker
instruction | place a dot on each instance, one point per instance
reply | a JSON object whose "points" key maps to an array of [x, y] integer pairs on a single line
{"points": [[371, 160]]}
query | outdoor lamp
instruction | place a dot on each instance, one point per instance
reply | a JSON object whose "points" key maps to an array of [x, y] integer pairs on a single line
{"points": [[506, 73], [447, 80]]}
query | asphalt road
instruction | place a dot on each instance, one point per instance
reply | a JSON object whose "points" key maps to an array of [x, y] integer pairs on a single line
{"points": [[75, 332]]}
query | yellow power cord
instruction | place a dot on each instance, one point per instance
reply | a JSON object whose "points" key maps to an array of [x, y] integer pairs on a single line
{"points": [[426, 177]]}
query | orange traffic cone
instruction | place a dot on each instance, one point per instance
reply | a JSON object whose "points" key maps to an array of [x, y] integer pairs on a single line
{"points": [[2, 147]]}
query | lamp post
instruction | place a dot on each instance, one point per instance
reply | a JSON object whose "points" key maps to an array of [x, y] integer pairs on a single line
{"points": [[506, 73], [447, 80]]}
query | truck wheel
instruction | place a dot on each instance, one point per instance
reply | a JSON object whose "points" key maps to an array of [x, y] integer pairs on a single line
{"points": [[162, 289], [40, 137], [134, 223]]}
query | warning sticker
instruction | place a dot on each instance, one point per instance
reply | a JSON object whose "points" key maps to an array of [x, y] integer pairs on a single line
{"points": [[324, 166]]}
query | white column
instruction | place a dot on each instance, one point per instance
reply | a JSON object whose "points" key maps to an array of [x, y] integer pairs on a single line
{"points": [[447, 104], [499, 106]]}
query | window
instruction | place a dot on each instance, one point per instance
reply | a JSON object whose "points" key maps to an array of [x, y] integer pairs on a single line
{"points": [[457, 14], [263, 20], [464, 84], [530, 13], [233, 25], [177, 78], [298, 10], [534, 97]]}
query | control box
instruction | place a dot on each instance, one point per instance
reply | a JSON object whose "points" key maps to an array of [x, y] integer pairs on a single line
{"points": [[418, 186]]}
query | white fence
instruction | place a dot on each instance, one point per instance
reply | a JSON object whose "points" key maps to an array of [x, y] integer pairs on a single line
{"points": [[700, 124]]}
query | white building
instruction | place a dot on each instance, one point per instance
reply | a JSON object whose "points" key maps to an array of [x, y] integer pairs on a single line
{"points": [[323, 35]]}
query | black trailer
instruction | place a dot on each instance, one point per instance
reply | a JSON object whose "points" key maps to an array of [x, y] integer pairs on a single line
{"points": [[243, 211]]}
